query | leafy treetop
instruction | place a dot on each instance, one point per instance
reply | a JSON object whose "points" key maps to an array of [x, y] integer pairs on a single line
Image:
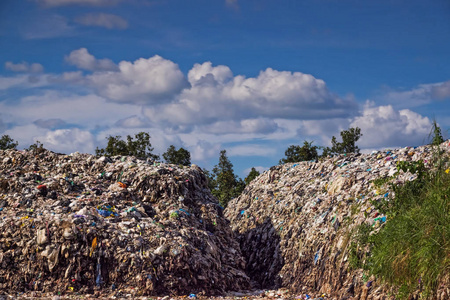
{"points": [[224, 184], [252, 175], [6, 142], [348, 144], [177, 157], [138, 146], [295, 153]]}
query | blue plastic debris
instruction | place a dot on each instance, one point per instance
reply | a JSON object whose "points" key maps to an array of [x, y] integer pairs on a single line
{"points": [[98, 280], [184, 211], [316, 257]]}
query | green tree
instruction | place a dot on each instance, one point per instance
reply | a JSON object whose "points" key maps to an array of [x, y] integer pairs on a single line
{"points": [[138, 146], [348, 144], [226, 184], [295, 153], [6, 142], [252, 175], [177, 157]]}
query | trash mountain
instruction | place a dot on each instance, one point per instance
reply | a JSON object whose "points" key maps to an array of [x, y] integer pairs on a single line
{"points": [[296, 223], [76, 224]]}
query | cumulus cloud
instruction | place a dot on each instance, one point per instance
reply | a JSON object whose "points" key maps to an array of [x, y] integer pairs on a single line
{"points": [[323, 129], [24, 67], [204, 150], [145, 81], [66, 140], [102, 20], [82, 59], [78, 110], [383, 126], [53, 3], [215, 95]]}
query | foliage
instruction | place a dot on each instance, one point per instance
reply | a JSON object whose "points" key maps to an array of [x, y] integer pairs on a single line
{"points": [[414, 246], [361, 238], [6, 142], [295, 153], [436, 134], [379, 182], [252, 175], [225, 184], [348, 144], [138, 146], [37, 146], [412, 250], [177, 157]]}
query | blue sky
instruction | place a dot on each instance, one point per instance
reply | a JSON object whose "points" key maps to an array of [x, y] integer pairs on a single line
{"points": [[251, 77]]}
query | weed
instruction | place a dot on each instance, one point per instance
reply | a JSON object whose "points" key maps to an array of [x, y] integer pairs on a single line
{"points": [[412, 250]]}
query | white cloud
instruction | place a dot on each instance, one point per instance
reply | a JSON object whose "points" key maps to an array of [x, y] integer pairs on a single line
{"points": [[82, 59], [383, 126], [146, 81], [84, 111], [24, 134], [53, 3], [203, 150], [200, 72], [24, 67], [102, 20], [68, 140], [323, 129], [215, 95]]}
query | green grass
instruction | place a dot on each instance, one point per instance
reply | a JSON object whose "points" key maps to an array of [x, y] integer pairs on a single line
{"points": [[412, 250]]}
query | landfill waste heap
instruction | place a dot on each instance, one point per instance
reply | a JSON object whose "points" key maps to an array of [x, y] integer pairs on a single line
{"points": [[295, 222], [78, 224]]}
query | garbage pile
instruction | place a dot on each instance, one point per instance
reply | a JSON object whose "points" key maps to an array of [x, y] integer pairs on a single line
{"points": [[295, 222], [78, 224]]}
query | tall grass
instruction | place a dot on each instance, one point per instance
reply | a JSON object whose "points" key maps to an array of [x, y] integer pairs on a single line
{"points": [[412, 251]]}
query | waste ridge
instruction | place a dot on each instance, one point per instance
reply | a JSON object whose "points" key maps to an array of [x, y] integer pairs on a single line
{"points": [[77, 224], [296, 222]]}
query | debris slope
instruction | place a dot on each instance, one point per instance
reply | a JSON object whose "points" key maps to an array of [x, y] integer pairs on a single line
{"points": [[80, 224], [297, 223]]}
